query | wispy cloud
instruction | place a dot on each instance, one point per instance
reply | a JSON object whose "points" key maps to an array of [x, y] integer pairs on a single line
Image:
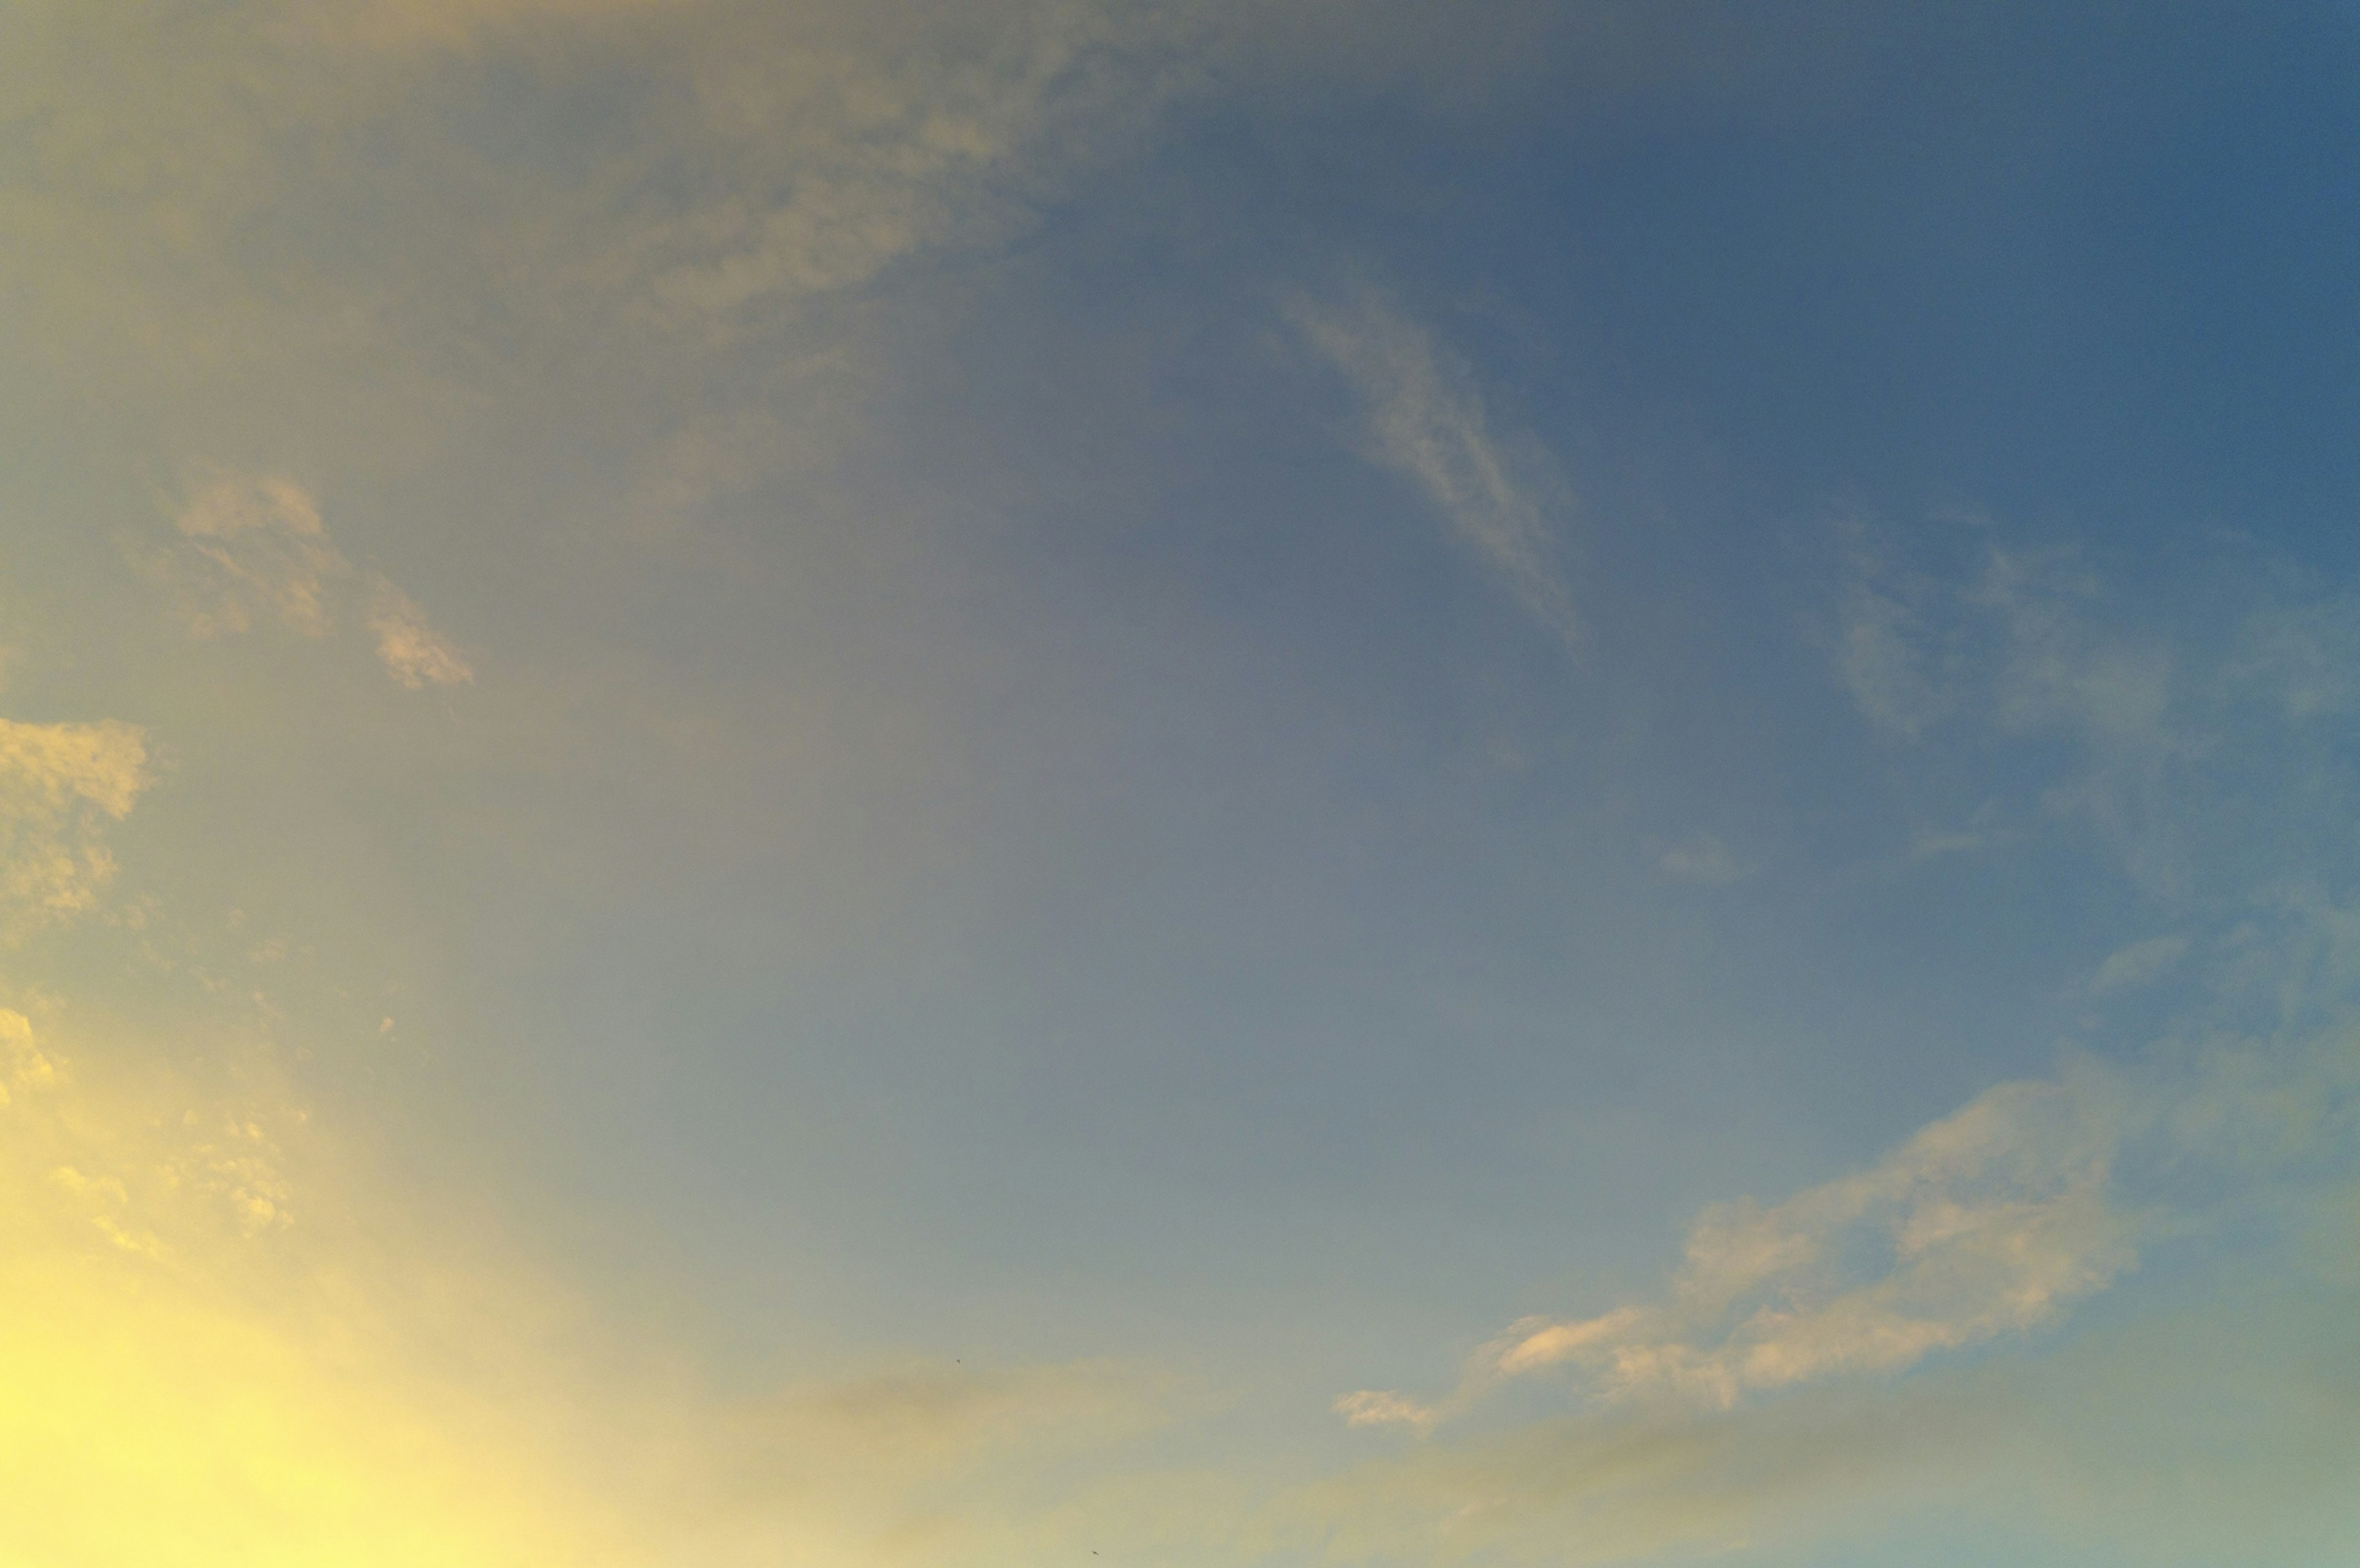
{"points": [[2255, 1439], [254, 550], [1426, 418], [2140, 963], [1386, 1407], [1996, 1221], [1992, 1221], [412, 651], [2162, 729], [1989, 1222]]}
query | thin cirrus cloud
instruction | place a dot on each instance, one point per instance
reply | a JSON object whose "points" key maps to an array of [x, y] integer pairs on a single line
{"points": [[1424, 416], [253, 551]]}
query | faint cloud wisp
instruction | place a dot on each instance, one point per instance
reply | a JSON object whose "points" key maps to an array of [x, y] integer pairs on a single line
{"points": [[254, 550], [1426, 418]]}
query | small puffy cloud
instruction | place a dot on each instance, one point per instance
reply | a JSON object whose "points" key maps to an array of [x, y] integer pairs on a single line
{"points": [[60, 784], [412, 651], [1701, 858], [851, 148], [1425, 419]]}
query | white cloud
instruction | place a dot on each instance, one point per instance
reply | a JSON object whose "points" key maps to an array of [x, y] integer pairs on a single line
{"points": [[413, 651], [1425, 418]]}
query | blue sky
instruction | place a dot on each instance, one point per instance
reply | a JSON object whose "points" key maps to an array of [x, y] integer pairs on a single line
{"points": [[1214, 783]]}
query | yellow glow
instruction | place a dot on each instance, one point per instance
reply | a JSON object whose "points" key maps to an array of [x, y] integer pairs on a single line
{"points": [[187, 1385]]}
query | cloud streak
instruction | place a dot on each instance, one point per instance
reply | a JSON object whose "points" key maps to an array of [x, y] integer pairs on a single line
{"points": [[1425, 418]]}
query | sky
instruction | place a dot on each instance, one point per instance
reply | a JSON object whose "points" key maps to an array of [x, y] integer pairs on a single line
{"points": [[1206, 784]]}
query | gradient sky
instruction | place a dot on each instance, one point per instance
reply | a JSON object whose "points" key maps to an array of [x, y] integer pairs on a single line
{"points": [[1210, 784]]}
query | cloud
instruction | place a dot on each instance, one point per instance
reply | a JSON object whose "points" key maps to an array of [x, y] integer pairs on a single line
{"points": [[847, 149], [1998, 1220], [1760, 1397], [1881, 655], [60, 785], [1701, 858], [1992, 1221], [1386, 1406], [2140, 963], [2307, 655], [253, 550], [1425, 419], [21, 1062], [2195, 751], [2196, 1434], [413, 651]]}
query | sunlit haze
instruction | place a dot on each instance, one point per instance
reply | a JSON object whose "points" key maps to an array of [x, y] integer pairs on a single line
{"points": [[1193, 784]]}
